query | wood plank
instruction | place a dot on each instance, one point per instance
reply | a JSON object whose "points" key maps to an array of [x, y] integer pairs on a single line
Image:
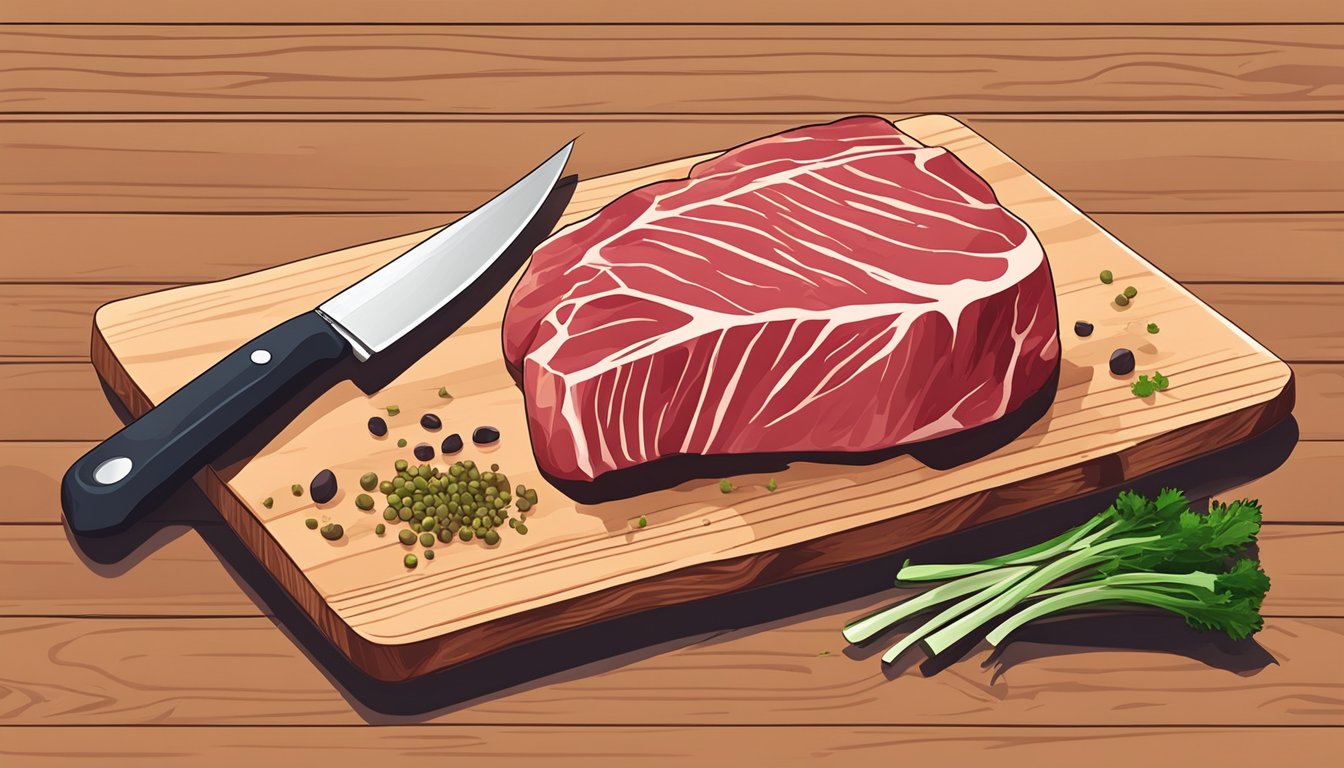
{"points": [[241, 671], [44, 322], [670, 69], [585, 562], [75, 247], [1129, 165], [42, 575], [1297, 492], [701, 11], [653, 746]]}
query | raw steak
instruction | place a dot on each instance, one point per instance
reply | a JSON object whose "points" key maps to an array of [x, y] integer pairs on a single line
{"points": [[836, 287]]}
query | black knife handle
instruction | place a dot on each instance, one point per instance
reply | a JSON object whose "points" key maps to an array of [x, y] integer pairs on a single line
{"points": [[132, 470]]}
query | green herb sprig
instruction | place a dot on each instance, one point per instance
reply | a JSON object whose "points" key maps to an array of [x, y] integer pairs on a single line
{"points": [[1156, 553]]}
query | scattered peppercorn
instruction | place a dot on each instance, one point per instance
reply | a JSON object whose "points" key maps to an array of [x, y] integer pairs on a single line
{"points": [[771, 486], [368, 481], [427, 539], [424, 451], [485, 436], [410, 561], [380, 529], [364, 501], [1122, 362], [393, 410], [401, 443], [311, 523], [296, 489], [451, 444], [401, 464], [431, 422], [332, 532], [1130, 292], [377, 427], [268, 502], [406, 536], [1106, 276], [1152, 328], [725, 486], [491, 537], [443, 392], [1121, 300], [1082, 328], [521, 529], [642, 522], [323, 486]]}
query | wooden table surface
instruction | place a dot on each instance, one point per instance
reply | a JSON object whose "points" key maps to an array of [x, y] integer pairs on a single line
{"points": [[149, 143]]}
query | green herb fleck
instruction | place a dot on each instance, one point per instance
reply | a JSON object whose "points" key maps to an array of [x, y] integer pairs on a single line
{"points": [[393, 410], [296, 489], [1106, 276], [268, 502], [1145, 386], [725, 486], [311, 523], [380, 529], [1152, 328], [771, 486], [642, 521], [824, 653], [443, 392]]}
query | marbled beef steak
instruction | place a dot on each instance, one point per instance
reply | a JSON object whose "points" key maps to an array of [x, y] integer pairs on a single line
{"points": [[833, 288]]}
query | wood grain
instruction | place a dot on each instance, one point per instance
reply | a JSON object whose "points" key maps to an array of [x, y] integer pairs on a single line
{"points": [[654, 746], [1102, 165], [241, 671], [670, 69], [78, 247], [41, 575], [50, 322], [1297, 492], [697, 11], [588, 562]]}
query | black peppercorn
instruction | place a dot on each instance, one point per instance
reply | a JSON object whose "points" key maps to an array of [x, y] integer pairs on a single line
{"points": [[431, 422], [377, 427], [323, 486], [1122, 362], [485, 435], [452, 444], [424, 451], [1082, 328]]}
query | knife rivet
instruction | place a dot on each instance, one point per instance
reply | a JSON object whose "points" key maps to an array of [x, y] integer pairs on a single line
{"points": [[260, 356], [113, 470]]}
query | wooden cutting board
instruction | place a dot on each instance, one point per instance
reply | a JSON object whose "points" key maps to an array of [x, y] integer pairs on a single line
{"points": [[583, 563]]}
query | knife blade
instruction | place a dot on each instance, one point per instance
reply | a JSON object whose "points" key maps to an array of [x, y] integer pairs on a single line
{"points": [[119, 479]]}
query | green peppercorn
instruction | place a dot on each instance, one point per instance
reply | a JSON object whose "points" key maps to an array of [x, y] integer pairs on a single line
{"points": [[725, 486], [368, 481], [404, 514], [521, 529], [523, 505], [401, 465], [491, 538], [380, 529], [389, 514], [464, 534], [531, 495], [443, 392], [427, 539], [364, 501], [429, 554], [398, 482], [393, 410], [386, 487], [1121, 300], [311, 523], [332, 532], [1106, 276], [771, 486], [643, 521], [445, 535], [296, 489], [1130, 292], [268, 502], [1152, 328], [513, 522], [415, 526], [406, 537], [401, 443], [410, 561]]}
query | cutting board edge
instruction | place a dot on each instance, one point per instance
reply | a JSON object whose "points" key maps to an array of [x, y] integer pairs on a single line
{"points": [[398, 662]]}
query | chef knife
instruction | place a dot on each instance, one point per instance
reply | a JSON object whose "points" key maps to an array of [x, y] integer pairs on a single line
{"points": [[130, 471]]}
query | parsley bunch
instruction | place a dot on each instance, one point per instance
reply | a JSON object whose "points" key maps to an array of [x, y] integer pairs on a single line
{"points": [[1155, 553]]}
